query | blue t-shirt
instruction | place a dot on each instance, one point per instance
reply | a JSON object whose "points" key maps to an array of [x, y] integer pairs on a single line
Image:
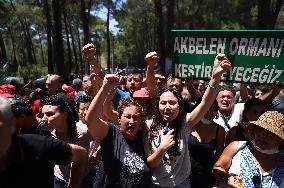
{"points": [[119, 94], [78, 95], [124, 161]]}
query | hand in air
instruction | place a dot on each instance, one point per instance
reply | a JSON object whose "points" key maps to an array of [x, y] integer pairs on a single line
{"points": [[152, 58], [89, 50], [112, 80], [221, 65]]}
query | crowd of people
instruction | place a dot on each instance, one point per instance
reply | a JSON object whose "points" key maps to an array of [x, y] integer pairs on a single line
{"points": [[141, 129]]}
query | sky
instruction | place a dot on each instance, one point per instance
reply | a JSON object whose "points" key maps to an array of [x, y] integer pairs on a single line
{"points": [[102, 13]]}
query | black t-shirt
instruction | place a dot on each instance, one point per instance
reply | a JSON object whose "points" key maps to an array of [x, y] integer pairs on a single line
{"points": [[41, 129], [32, 161], [124, 161]]}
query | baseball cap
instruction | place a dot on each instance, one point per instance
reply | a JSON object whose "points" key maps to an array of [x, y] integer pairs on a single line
{"points": [[141, 93]]}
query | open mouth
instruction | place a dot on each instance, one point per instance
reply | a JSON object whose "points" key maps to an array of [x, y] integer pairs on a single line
{"points": [[225, 104], [133, 88], [130, 129], [168, 114]]}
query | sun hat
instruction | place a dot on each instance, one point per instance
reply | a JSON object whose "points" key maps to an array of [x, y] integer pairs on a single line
{"points": [[272, 121], [141, 93]]}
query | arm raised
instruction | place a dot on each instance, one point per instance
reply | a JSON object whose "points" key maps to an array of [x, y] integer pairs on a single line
{"points": [[151, 58], [96, 126], [89, 52], [221, 65]]}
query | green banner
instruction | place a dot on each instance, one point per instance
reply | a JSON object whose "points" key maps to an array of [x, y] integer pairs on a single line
{"points": [[256, 56]]}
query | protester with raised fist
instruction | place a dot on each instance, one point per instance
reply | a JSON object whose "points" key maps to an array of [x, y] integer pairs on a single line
{"points": [[166, 142]]}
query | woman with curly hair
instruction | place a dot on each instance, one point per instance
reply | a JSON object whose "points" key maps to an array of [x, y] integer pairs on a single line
{"points": [[60, 117], [167, 139], [122, 151]]}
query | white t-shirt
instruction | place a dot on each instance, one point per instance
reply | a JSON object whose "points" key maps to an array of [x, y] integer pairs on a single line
{"points": [[173, 172], [233, 120], [83, 139]]}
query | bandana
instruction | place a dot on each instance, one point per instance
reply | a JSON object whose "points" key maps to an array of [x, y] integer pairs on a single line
{"points": [[19, 105]]}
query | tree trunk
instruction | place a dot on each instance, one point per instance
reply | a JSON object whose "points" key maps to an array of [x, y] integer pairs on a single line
{"points": [[40, 41], [89, 9], [49, 42], [14, 57], [178, 20], [108, 37], [268, 11], [23, 59], [30, 41], [171, 18], [85, 22], [69, 64], [26, 36], [80, 52], [3, 54], [27, 44], [160, 31], [58, 50], [74, 48]]}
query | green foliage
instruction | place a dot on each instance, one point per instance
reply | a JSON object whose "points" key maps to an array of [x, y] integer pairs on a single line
{"points": [[32, 71], [26, 72], [280, 21], [137, 23]]}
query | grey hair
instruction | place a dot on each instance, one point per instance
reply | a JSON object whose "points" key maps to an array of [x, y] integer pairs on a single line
{"points": [[5, 110]]}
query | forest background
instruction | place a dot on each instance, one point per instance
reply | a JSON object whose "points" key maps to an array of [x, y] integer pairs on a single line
{"points": [[38, 37]]}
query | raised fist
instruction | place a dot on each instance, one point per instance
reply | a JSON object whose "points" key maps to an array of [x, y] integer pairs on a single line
{"points": [[152, 58], [89, 51]]}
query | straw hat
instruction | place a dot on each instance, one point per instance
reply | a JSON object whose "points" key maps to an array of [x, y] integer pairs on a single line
{"points": [[272, 121]]}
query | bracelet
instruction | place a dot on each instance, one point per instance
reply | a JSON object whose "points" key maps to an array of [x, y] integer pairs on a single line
{"points": [[209, 85]]}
